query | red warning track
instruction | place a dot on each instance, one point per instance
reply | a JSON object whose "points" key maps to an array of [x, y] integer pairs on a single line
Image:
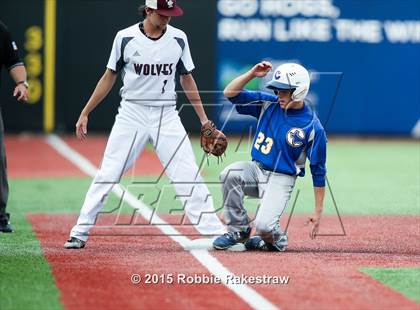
{"points": [[32, 157], [323, 273], [24, 154], [93, 149]]}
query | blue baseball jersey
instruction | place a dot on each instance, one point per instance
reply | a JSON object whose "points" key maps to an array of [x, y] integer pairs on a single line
{"points": [[285, 138]]}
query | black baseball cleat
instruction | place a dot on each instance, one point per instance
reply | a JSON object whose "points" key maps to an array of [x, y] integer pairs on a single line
{"points": [[74, 243], [5, 225], [231, 238], [256, 243]]}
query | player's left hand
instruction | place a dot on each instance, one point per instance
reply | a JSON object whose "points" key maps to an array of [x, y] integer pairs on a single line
{"points": [[261, 69], [213, 141], [313, 223], [21, 93]]}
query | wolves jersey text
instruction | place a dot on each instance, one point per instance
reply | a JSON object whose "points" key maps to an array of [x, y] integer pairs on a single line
{"points": [[148, 66]]}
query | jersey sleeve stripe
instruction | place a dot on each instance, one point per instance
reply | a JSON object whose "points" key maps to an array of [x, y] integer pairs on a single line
{"points": [[180, 68], [120, 62], [181, 42]]}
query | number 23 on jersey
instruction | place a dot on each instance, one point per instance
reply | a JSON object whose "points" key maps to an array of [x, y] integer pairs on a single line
{"points": [[263, 143]]}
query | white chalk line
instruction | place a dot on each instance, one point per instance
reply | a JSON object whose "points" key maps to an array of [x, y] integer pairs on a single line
{"points": [[246, 293]]}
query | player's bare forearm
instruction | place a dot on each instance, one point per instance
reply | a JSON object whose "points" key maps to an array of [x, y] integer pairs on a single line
{"points": [[314, 221], [237, 85], [191, 90], [319, 200], [102, 89]]}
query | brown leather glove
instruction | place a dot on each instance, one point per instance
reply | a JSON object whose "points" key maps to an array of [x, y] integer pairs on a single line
{"points": [[213, 141]]}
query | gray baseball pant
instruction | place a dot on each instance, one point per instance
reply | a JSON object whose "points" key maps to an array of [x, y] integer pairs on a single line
{"points": [[273, 189]]}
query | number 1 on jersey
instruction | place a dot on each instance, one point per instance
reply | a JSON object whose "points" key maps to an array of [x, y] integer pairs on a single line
{"points": [[164, 84]]}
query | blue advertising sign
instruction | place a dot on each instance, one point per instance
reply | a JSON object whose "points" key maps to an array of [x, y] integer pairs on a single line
{"points": [[363, 55]]}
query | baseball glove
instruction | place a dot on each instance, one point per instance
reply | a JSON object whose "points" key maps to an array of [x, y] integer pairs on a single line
{"points": [[213, 141]]}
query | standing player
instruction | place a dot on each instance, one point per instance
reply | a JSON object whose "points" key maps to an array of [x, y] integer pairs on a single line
{"points": [[148, 55], [288, 131]]}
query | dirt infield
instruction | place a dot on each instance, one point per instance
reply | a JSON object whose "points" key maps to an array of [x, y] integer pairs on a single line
{"points": [[323, 273]]}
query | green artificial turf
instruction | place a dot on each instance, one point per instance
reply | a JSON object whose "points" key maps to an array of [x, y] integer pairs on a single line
{"points": [[403, 280], [26, 281], [55, 195]]}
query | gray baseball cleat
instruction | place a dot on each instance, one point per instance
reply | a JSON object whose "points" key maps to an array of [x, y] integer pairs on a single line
{"points": [[280, 244], [74, 243]]}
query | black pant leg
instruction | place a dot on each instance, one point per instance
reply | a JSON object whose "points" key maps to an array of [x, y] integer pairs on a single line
{"points": [[4, 185]]}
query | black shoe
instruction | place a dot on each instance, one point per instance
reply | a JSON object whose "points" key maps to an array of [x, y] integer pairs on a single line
{"points": [[74, 243], [256, 243], [5, 224]]}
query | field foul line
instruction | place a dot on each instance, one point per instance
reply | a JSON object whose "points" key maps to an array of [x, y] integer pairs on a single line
{"points": [[246, 293]]}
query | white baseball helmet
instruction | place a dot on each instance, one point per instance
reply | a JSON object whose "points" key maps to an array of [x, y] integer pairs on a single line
{"points": [[291, 76]]}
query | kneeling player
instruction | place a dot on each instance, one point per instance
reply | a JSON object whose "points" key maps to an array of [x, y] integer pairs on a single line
{"points": [[288, 131]]}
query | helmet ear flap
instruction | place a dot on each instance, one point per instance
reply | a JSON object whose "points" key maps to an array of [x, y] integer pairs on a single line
{"points": [[300, 93]]}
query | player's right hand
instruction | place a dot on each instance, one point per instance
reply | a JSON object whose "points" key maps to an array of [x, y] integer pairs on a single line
{"points": [[81, 127], [261, 69], [313, 222]]}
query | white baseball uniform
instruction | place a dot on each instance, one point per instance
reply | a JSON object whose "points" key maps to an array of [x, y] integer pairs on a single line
{"points": [[148, 114]]}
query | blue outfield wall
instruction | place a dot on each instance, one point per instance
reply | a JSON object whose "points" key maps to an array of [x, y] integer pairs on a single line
{"points": [[364, 57]]}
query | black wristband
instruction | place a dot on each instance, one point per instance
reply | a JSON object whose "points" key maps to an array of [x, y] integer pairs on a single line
{"points": [[25, 83]]}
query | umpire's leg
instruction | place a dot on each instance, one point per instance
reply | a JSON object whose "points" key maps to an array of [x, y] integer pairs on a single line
{"points": [[4, 186]]}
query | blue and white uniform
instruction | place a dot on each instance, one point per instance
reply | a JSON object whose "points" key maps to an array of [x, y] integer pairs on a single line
{"points": [[295, 135], [283, 141]]}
